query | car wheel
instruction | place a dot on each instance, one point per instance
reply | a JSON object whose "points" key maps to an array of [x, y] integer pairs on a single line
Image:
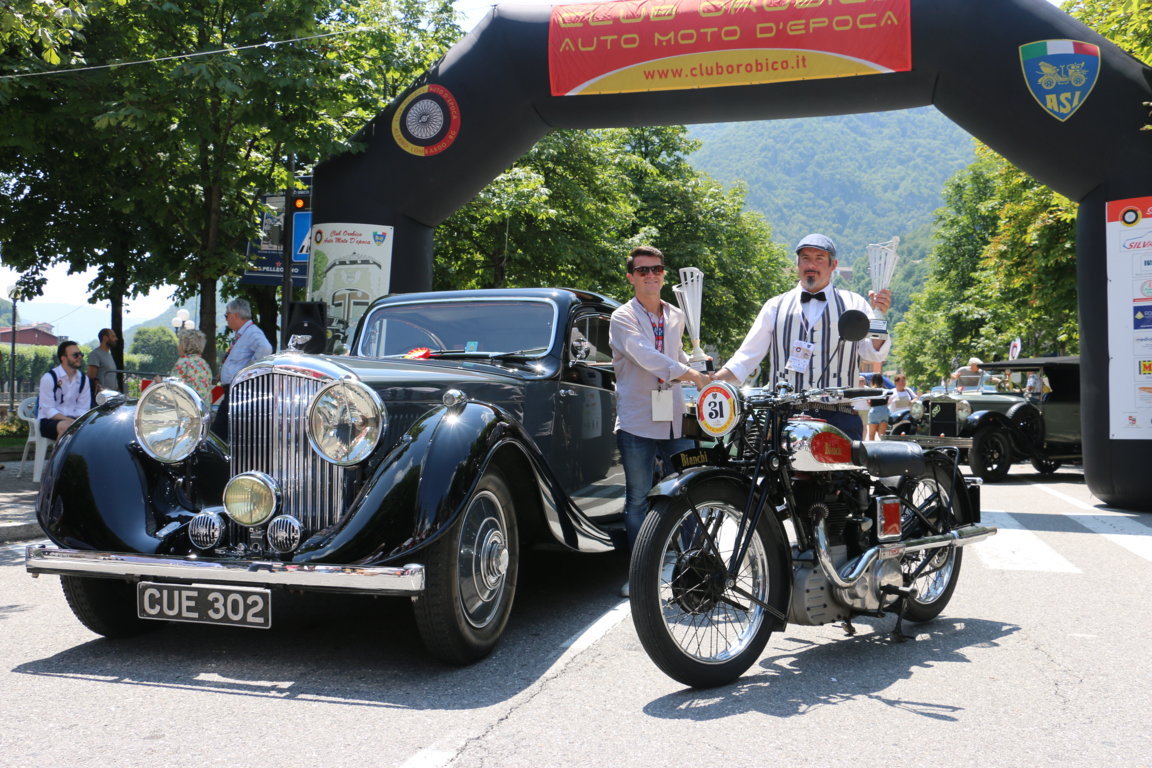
{"points": [[470, 577], [1046, 466], [991, 454], [106, 606], [1029, 421]]}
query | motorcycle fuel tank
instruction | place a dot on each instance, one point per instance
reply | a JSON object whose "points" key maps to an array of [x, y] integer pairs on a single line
{"points": [[817, 446]]}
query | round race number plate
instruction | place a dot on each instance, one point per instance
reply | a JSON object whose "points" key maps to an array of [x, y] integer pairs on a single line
{"points": [[718, 409]]}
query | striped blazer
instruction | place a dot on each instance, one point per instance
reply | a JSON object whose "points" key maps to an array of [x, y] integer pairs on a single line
{"points": [[781, 322]]}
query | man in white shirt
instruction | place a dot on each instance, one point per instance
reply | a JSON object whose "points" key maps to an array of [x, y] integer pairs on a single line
{"points": [[650, 363], [798, 333], [249, 344], [65, 392]]}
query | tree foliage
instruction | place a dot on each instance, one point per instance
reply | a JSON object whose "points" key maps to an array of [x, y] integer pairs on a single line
{"points": [[154, 171], [39, 29], [159, 345], [568, 212]]}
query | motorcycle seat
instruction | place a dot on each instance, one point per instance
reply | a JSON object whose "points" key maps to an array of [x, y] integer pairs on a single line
{"points": [[888, 458]]}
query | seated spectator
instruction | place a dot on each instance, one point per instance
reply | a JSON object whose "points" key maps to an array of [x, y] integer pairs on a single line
{"points": [[191, 368], [66, 393]]}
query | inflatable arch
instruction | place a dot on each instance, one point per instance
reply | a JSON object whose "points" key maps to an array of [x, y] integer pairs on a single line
{"points": [[1058, 100]]}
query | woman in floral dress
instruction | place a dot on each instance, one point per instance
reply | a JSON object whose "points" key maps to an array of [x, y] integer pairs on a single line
{"points": [[191, 368]]}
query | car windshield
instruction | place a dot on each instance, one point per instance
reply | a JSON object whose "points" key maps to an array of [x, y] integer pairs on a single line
{"points": [[460, 328]]}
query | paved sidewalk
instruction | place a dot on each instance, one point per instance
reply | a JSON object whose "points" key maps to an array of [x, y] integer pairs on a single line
{"points": [[18, 503]]}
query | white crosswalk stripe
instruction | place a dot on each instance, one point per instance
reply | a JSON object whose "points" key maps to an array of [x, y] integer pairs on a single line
{"points": [[1015, 548], [1118, 527]]}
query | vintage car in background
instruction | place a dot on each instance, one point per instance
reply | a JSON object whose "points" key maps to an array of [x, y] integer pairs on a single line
{"points": [[999, 422], [462, 428]]}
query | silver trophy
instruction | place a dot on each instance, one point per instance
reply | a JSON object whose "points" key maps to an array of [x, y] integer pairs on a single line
{"points": [[690, 295], [882, 260]]}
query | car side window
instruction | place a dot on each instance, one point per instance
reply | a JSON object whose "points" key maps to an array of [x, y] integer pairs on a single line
{"points": [[588, 341]]}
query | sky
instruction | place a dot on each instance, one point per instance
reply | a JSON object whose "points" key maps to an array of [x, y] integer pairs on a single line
{"points": [[63, 288]]}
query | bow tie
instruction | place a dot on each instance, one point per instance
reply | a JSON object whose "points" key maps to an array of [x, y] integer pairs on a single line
{"points": [[806, 297]]}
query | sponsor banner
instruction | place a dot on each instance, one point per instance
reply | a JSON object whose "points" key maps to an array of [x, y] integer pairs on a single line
{"points": [[1060, 74], [631, 46], [351, 266], [1129, 263]]}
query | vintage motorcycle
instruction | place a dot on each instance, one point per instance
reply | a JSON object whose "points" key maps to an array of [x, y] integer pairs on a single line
{"points": [[877, 529]]}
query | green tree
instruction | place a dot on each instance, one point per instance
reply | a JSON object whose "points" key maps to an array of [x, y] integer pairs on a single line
{"points": [[178, 150], [568, 212], [159, 344], [35, 29]]}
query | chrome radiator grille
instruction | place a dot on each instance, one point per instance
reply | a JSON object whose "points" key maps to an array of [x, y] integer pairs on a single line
{"points": [[267, 422]]}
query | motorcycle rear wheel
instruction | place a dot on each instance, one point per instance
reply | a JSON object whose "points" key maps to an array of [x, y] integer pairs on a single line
{"points": [[697, 625], [934, 495]]}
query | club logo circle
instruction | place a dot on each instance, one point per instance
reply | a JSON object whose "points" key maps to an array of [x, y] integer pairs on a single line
{"points": [[1130, 217], [427, 121]]}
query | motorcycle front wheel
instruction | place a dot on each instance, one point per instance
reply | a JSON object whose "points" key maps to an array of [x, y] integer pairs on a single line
{"points": [[697, 624], [932, 506]]}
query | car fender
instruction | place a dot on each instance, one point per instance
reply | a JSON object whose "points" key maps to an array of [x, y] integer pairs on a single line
{"points": [[100, 491], [979, 419], [419, 490]]}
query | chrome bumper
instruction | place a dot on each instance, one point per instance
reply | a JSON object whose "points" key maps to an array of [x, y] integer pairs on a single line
{"points": [[928, 441], [402, 580]]}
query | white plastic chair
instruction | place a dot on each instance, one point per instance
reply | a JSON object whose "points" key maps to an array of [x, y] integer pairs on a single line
{"points": [[43, 445]]}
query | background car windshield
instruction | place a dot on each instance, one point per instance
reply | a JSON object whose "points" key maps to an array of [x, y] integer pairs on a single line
{"points": [[482, 327]]}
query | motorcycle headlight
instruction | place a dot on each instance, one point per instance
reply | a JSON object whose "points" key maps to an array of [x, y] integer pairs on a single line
{"points": [[345, 422], [917, 410], [963, 410], [170, 421]]}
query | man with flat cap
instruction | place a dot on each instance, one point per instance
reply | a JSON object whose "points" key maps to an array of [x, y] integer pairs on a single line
{"points": [[796, 333]]}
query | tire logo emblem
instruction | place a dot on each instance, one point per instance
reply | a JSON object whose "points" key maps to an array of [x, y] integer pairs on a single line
{"points": [[427, 122]]}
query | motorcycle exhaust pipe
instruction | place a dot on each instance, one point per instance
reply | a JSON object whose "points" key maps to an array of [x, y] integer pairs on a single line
{"points": [[961, 537]]}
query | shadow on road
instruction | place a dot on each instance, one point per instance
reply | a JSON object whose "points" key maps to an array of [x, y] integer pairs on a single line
{"points": [[360, 651], [806, 675]]}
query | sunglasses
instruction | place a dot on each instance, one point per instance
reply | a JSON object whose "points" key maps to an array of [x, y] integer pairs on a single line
{"points": [[657, 269], [76, 354]]}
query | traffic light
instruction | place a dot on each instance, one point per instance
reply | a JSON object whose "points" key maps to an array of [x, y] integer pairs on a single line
{"points": [[301, 201]]}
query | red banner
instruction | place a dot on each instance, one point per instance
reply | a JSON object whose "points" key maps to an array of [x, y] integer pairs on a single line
{"points": [[632, 46]]}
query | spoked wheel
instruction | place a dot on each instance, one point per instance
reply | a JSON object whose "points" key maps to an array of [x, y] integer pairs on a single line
{"points": [[471, 577], [931, 507], [702, 627]]}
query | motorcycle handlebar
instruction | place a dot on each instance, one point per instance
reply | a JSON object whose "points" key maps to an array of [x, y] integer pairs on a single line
{"points": [[851, 394]]}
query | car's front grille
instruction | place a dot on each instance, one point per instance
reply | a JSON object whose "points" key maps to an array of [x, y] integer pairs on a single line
{"points": [[268, 426], [942, 418]]}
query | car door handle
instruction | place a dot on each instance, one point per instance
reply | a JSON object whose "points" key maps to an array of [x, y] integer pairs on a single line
{"points": [[567, 393]]}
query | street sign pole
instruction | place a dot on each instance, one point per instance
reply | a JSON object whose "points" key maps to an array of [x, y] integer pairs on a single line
{"points": [[286, 251]]}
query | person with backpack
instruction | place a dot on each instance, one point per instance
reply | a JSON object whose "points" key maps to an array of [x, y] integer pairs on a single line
{"points": [[65, 392]]}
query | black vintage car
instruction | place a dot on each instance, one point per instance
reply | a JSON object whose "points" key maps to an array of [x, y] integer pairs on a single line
{"points": [[1004, 420], [463, 427]]}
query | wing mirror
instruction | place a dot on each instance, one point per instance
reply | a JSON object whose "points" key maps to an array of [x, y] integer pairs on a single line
{"points": [[853, 325]]}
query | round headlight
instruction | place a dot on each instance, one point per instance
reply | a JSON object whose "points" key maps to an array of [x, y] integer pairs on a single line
{"points": [[345, 422], [171, 420], [251, 498], [963, 410], [917, 410]]}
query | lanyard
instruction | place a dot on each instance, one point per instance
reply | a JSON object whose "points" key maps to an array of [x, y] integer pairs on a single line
{"points": [[657, 330]]}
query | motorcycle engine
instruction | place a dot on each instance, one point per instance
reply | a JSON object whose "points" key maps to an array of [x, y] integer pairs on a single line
{"points": [[843, 499]]}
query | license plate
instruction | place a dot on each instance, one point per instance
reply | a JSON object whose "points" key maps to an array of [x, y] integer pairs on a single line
{"points": [[205, 604]]}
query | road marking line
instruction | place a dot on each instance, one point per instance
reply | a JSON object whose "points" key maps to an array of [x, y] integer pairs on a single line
{"points": [[1015, 548], [444, 753], [1115, 525]]}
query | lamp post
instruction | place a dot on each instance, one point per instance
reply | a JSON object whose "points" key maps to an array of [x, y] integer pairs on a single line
{"points": [[14, 294]]}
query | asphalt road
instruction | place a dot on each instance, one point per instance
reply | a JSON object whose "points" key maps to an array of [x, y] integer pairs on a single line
{"points": [[1041, 658]]}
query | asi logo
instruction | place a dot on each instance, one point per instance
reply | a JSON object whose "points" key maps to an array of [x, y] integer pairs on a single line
{"points": [[378, 238], [1060, 74]]}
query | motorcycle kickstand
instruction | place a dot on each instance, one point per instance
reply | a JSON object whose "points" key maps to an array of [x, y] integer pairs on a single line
{"points": [[848, 628], [903, 593]]}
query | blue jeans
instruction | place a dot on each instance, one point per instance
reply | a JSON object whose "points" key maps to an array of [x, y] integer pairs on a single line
{"points": [[638, 455]]}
